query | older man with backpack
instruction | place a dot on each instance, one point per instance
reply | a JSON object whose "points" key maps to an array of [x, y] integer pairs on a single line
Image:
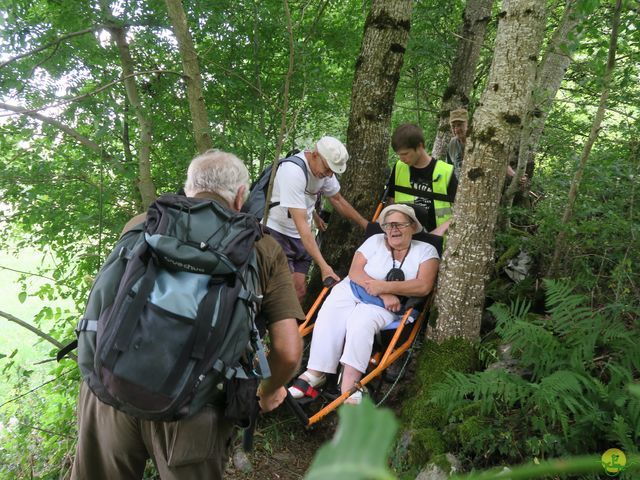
{"points": [[168, 349], [299, 180]]}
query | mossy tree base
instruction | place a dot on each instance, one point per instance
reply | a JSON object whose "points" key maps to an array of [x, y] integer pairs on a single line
{"points": [[426, 422]]}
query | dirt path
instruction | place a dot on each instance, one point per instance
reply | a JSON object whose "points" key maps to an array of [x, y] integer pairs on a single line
{"points": [[283, 448]]}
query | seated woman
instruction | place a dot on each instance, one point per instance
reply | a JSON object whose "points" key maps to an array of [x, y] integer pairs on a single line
{"points": [[386, 267]]}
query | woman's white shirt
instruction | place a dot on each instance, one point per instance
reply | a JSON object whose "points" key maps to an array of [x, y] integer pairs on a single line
{"points": [[380, 261]]}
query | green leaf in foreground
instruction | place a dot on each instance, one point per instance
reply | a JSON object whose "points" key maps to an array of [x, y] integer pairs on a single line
{"points": [[360, 446]]}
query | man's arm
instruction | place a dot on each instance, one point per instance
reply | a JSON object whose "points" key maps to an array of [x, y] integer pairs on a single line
{"points": [[284, 361], [299, 216], [391, 187], [512, 173], [345, 209], [442, 229]]}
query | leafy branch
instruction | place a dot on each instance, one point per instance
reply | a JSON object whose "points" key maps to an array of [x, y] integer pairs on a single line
{"points": [[55, 43], [35, 330], [65, 101]]}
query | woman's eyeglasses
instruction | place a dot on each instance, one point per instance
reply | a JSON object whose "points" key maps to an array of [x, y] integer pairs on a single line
{"points": [[396, 225]]}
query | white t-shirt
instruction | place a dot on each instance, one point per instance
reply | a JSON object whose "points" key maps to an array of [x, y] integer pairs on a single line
{"points": [[380, 261], [290, 189]]}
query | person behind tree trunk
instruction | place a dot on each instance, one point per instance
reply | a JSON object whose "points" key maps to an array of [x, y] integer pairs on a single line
{"points": [[458, 119], [289, 221], [421, 179], [385, 268], [455, 153], [114, 445]]}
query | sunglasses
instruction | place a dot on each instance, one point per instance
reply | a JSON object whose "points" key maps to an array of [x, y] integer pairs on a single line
{"points": [[396, 225]]}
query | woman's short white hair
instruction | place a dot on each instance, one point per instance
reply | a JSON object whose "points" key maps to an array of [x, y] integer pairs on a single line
{"points": [[219, 172]]}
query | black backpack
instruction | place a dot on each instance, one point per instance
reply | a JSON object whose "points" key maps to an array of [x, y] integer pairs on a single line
{"points": [[169, 324], [258, 193]]}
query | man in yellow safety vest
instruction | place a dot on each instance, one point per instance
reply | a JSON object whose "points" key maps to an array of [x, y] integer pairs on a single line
{"points": [[420, 179]]}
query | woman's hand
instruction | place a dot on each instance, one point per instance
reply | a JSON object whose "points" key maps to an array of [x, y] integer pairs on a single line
{"points": [[391, 302], [374, 287]]}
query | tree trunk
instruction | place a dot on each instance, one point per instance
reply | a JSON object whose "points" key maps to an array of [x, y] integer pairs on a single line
{"points": [[471, 34], [145, 182], [595, 130], [255, 42], [377, 72], [285, 108], [146, 186], [496, 126], [193, 79], [549, 76]]}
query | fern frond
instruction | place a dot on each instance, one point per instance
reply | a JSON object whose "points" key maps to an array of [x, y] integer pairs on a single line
{"points": [[633, 411], [556, 290], [560, 395], [538, 347], [520, 308], [618, 375], [453, 391], [620, 432], [486, 388]]}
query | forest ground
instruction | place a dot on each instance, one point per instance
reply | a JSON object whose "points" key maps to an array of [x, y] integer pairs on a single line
{"points": [[284, 449]]}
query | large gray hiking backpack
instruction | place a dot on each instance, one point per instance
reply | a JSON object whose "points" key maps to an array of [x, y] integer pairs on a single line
{"points": [[258, 192], [169, 323]]}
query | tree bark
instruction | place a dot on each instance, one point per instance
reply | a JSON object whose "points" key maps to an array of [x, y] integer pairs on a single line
{"points": [[145, 182], [193, 79], [285, 108], [549, 76], [496, 126], [146, 186], [593, 135], [471, 32], [377, 72]]}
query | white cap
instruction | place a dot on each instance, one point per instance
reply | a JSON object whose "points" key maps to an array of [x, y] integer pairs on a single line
{"points": [[334, 152]]}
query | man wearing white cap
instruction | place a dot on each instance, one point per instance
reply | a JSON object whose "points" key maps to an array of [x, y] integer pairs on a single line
{"points": [[294, 195]]}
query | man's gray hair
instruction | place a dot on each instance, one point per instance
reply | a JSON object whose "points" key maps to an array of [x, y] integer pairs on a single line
{"points": [[219, 172]]}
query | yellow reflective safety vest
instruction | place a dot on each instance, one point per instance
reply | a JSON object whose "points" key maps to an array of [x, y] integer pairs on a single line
{"points": [[442, 173]]}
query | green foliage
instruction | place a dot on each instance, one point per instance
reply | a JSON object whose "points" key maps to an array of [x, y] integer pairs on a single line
{"points": [[567, 393], [360, 447], [585, 464], [352, 453], [37, 437], [70, 201], [426, 421]]}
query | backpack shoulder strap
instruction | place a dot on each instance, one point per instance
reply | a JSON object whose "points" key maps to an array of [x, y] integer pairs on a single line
{"points": [[299, 162]]}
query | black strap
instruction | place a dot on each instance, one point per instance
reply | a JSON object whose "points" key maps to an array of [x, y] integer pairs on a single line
{"points": [[66, 349], [130, 320], [203, 318], [299, 162], [423, 194]]}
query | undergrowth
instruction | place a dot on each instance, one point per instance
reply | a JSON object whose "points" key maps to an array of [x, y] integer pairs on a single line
{"points": [[567, 393]]}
